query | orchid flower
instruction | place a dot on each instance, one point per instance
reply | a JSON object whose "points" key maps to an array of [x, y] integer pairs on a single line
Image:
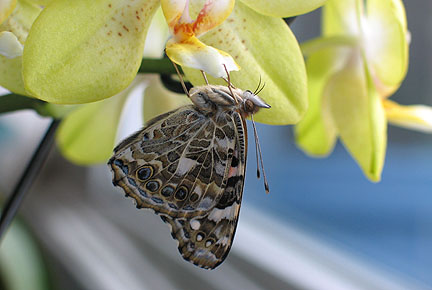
{"points": [[84, 51], [185, 48], [353, 69]]}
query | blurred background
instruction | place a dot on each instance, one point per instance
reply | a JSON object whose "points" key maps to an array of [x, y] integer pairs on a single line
{"points": [[323, 226]]}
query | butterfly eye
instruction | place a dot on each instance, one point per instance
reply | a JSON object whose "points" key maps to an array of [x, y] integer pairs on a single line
{"points": [[181, 193], [152, 185], [249, 106], [145, 172], [167, 191]]}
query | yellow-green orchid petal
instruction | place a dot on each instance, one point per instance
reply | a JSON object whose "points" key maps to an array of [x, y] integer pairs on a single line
{"points": [[264, 47], [21, 19], [342, 17], [359, 116], [87, 135], [10, 75], [6, 8], [417, 117], [173, 11], [195, 54], [82, 51], [157, 36], [211, 15], [41, 2], [10, 47], [18, 23], [316, 133], [158, 100], [283, 8], [386, 43]]}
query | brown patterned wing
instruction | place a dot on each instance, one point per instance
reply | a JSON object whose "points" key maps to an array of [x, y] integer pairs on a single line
{"points": [[205, 240], [189, 168]]}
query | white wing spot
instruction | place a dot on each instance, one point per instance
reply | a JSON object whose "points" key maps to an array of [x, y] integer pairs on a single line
{"points": [[224, 241], [198, 190], [205, 203], [195, 224], [184, 166], [219, 214]]}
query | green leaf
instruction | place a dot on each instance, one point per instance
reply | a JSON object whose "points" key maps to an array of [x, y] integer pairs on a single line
{"points": [[283, 8], [82, 51], [264, 47], [359, 116], [316, 133]]}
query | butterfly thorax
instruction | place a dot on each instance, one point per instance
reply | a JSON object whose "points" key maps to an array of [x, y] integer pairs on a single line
{"points": [[214, 98]]}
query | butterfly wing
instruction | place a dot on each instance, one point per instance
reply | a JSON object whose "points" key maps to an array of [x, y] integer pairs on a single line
{"points": [[206, 240], [189, 168]]}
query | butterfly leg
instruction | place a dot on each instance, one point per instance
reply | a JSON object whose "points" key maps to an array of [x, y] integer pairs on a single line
{"points": [[205, 77], [181, 79], [230, 86]]}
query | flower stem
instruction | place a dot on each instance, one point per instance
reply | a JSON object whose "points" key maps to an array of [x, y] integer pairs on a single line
{"points": [[158, 66], [14, 201]]}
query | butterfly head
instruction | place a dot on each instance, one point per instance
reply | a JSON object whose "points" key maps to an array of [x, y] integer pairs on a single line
{"points": [[252, 103]]}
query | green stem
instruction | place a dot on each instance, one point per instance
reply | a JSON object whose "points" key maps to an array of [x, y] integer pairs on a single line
{"points": [[158, 66], [14, 102], [27, 178]]}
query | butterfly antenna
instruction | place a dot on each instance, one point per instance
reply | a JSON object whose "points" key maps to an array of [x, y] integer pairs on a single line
{"points": [[259, 91], [228, 80], [205, 77], [259, 84], [181, 79], [258, 151]]}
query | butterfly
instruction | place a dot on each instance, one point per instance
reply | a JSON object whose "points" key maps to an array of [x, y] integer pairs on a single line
{"points": [[188, 166]]}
